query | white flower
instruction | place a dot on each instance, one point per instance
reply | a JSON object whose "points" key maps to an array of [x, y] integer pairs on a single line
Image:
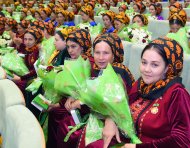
{"points": [[188, 33]]}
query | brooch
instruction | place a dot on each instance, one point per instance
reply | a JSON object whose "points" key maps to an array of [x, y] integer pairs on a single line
{"points": [[154, 109]]}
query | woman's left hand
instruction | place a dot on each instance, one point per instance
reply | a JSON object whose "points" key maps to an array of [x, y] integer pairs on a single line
{"points": [[75, 104], [16, 78], [52, 106], [128, 145]]}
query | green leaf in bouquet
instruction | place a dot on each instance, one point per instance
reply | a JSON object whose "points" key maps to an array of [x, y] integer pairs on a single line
{"points": [[9, 73], [106, 95], [47, 49], [14, 63], [181, 38], [93, 129], [34, 86], [72, 77], [48, 84], [95, 30]]}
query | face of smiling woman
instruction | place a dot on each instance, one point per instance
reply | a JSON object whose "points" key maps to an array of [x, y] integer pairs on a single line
{"points": [[152, 67], [103, 55]]}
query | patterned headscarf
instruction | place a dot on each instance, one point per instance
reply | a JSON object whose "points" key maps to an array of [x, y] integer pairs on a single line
{"points": [[47, 11], [66, 31], [11, 23], [2, 21], [24, 23], [110, 14], [100, 1], [16, 4], [177, 5], [38, 24], [124, 7], [91, 4], [71, 16], [83, 38], [88, 11], [123, 18], [78, 6], [24, 10], [114, 42], [178, 15], [64, 13], [174, 55], [63, 6], [36, 32], [158, 7], [49, 26], [107, 4], [51, 5], [141, 6]]}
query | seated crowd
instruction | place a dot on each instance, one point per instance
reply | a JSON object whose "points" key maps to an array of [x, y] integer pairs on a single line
{"points": [[44, 39]]}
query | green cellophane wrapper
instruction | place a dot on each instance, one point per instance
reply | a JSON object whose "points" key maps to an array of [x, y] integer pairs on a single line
{"points": [[34, 86], [83, 25], [19, 8], [47, 49], [181, 38], [106, 95], [17, 16], [5, 50], [30, 18], [124, 34], [14, 63], [73, 77], [48, 80], [100, 11], [96, 30], [7, 14], [93, 129], [93, 30]]}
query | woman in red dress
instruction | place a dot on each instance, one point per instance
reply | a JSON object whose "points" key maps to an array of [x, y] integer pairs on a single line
{"points": [[32, 39], [159, 102]]}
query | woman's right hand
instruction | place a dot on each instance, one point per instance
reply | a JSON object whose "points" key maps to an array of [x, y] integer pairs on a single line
{"points": [[109, 131], [68, 103]]}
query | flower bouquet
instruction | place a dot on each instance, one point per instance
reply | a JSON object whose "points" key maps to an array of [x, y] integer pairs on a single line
{"points": [[139, 35], [105, 94], [14, 63]]}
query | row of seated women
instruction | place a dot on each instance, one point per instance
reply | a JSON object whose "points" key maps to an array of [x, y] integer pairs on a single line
{"points": [[112, 22], [157, 99]]}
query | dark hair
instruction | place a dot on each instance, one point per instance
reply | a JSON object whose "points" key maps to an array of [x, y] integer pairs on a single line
{"points": [[158, 49], [108, 17], [140, 16], [62, 36], [176, 21], [73, 40], [2, 14]]}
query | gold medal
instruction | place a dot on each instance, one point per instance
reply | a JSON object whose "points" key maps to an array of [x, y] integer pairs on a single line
{"points": [[154, 110]]}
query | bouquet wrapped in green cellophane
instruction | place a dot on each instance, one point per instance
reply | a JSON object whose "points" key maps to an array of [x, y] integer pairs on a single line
{"points": [[14, 63], [73, 77], [105, 94]]}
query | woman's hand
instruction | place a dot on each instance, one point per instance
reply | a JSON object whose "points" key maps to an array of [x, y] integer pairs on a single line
{"points": [[110, 130], [68, 103], [17, 41], [52, 106], [129, 146], [16, 78], [75, 104]]}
